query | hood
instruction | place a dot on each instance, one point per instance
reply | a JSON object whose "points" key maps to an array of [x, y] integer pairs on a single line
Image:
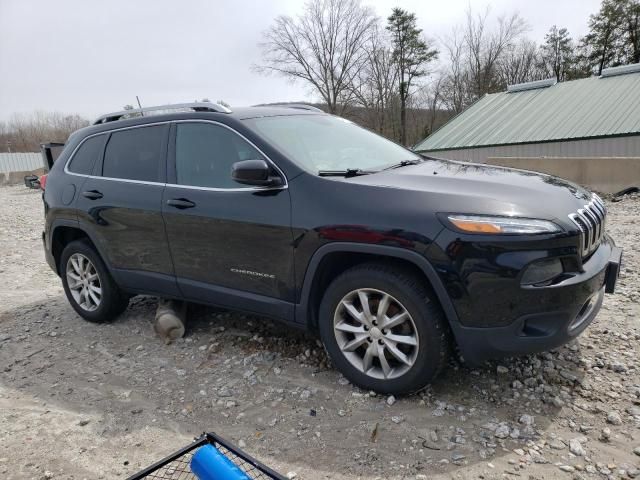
{"points": [[461, 187]]}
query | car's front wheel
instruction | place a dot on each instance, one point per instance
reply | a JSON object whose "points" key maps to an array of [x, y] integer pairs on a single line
{"points": [[383, 329], [89, 287]]}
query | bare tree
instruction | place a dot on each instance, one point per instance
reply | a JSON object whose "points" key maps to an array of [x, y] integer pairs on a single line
{"points": [[435, 102], [455, 82], [485, 48], [26, 132], [483, 60], [520, 63], [429, 98], [374, 85], [5, 140], [323, 47]]}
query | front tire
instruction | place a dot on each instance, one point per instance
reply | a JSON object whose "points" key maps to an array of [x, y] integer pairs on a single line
{"points": [[384, 329], [89, 287]]}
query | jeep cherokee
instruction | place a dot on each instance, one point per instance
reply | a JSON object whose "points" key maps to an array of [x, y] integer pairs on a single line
{"points": [[290, 213]]}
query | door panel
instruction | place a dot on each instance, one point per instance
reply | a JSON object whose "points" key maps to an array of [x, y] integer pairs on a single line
{"points": [[224, 236], [235, 239], [124, 216], [127, 223]]}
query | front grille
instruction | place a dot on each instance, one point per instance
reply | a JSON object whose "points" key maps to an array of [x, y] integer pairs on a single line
{"points": [[590, 220]]}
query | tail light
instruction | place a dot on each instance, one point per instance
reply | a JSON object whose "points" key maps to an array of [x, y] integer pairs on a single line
{"points": [[43, 181]]}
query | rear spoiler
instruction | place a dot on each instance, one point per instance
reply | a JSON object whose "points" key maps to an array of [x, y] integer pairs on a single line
{"points": [[50, 153]]}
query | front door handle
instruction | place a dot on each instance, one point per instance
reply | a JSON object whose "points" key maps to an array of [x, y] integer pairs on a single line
{"points": [[92, 194], [181, 203]]}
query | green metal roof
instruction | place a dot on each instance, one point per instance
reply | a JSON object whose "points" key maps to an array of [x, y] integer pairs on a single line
{"points": [[591, 107]]}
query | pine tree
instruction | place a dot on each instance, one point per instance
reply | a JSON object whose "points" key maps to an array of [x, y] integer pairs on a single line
{"points": [[557, 52], [411, 54], [604, 44], [632, 29]]}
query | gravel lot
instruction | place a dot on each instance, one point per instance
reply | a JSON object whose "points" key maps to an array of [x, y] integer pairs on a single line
{"points": [[83, 401]]}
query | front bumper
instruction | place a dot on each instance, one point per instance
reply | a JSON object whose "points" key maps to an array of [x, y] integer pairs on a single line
{"points": [[570, 307]]}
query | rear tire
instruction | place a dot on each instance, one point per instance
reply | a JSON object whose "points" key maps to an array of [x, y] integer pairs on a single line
{"points": [[89, 287], [397, 345]]}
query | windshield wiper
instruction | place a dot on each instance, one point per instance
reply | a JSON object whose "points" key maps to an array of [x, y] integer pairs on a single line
{"points": [[349, 172], [404, 163]]}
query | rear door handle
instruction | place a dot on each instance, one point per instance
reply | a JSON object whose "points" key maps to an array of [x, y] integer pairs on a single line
{"points": [[92, 194], [181, 203]]}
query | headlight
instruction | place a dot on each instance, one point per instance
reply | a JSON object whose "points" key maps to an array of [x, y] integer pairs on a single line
{"points": [[502, 225]]}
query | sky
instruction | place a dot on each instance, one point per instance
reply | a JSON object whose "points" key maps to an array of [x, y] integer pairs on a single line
{"points": [[94, 56]]}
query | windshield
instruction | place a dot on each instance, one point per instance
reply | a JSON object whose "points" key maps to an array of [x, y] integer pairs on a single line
{"points": [[323, 142]]}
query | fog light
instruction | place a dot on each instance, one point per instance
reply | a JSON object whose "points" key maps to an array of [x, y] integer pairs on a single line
{"points": [[586, 310], [542, 271]]}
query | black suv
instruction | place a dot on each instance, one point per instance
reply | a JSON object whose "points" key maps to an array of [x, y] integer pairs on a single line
{"points": [[305, 217]]}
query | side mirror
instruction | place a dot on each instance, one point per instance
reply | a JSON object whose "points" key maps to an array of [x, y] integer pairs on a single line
{"points": [[254, 172]]}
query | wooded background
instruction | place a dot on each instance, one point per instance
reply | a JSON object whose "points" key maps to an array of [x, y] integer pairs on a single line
{"points": [[390, 76]]}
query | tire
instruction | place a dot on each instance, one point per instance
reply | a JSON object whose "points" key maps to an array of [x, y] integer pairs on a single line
{"points": [[111, 301], [422, 337]]}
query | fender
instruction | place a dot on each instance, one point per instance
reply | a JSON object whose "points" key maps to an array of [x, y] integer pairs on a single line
{"points": [[47, 240], [61, 222], [78, 226], [383, 250]]}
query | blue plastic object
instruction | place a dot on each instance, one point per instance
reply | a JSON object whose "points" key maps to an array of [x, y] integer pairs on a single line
{"points": [[209, 464]]}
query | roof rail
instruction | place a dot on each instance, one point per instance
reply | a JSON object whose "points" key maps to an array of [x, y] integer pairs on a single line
{"points": [[521, 87], [621, 70], [196, 107], [299, 106]]}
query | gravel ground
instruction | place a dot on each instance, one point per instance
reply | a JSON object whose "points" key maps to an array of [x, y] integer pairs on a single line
{"points": [[83, 401]]}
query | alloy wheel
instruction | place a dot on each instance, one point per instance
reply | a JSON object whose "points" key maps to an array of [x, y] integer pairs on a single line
{"points": [[84, 282], [376, 333]]}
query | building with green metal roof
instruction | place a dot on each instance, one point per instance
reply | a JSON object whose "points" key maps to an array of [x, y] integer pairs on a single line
{"points": [[591, 117]]}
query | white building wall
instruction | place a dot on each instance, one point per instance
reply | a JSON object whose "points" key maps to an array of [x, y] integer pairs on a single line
{"points": [[20, 162]]}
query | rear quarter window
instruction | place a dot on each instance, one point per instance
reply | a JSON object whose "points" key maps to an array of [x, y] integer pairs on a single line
{"points": [[85, 157], [136, 154]]}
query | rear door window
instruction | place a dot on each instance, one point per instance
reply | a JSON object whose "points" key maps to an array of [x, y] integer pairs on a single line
{"points": [[136, 154], [85, 157]]}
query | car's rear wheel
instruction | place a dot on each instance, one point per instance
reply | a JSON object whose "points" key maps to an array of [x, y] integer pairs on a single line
{"points": [[89, 287], [383, 329]]}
